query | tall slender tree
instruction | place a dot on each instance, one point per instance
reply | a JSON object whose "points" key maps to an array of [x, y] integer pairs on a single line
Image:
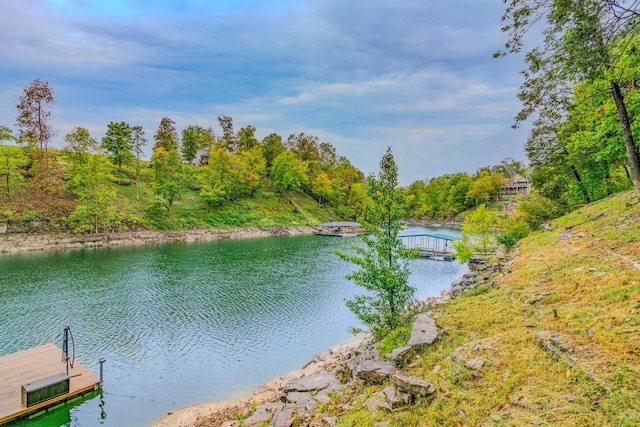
{"points": [[166, 137], [383, 260], [138, 141], [229, 138], [34, 115]]}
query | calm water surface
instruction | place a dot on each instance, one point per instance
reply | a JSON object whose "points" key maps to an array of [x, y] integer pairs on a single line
{"points": [[181, 324]]}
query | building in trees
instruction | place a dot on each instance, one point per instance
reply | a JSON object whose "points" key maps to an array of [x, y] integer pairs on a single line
{"points": [[517, 184]]}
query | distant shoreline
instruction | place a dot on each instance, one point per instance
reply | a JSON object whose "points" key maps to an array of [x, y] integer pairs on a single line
{"points": [[18, 242], [31, 242]]}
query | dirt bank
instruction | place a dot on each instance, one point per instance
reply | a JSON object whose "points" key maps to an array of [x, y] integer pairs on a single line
{"points": [[25, 242]]}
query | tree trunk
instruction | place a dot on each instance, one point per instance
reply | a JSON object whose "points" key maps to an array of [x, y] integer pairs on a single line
{"points": [[632, 152]]}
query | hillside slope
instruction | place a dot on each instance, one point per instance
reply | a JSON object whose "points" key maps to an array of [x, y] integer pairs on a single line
{"points": [[581, 282]]}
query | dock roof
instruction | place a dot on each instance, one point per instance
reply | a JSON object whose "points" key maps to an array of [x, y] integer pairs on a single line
{"points": [[436, 235], [340, 224]]}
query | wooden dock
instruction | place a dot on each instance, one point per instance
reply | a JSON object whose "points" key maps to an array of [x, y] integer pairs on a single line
{"points": [[33, 366]]}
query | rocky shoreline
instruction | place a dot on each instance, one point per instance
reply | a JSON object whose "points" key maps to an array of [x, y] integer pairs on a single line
{"points": [[14, 242], [297, 394]]}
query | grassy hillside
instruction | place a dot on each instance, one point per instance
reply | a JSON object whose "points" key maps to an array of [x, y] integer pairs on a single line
{"points": [[580, 280], [20, 204]]}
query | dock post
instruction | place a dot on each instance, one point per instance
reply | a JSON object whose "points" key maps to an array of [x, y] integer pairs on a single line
{"points": [[101, 362]]}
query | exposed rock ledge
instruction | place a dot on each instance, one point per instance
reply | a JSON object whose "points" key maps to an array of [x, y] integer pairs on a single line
{"points": [[25, 242]]}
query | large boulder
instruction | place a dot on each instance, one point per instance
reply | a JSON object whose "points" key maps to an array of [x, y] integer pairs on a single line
{"points": [[312, 383], [403, 356], [413, 386], [424, 331], [263, 414], [372, 372], [283, 418]]}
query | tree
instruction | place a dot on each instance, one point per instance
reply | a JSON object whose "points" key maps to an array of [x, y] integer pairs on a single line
{"points": [[322, 186], [288, 172], [228, 135], [383, 260], [190, 142], [580, 39], [476, 234], [167, 169], [246, 138], [6, 134], [117, 141], [95, 210], [272, 147], [194, 138], [34, 116], [9, 166], [166, 137], [79, 144], [215, 177], [138, 141]]}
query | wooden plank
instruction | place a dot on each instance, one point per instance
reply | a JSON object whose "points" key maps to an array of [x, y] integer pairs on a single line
{"points": [[28, 366]]}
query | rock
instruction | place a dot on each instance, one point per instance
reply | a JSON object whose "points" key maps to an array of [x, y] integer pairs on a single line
{"points": [[375, 372], [476, 364], [424, 331], [234, 423], [283, 418], [413, 386], [383, 424], [395, 398], [305, 408], [263, 414], [551, 343], [330, 421], [311, 383], [298, 397], [403, 356], [469, 355], [377, 402]]}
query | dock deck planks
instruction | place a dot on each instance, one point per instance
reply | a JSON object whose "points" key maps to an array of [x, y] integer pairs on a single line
{"points": [[27, 366]]}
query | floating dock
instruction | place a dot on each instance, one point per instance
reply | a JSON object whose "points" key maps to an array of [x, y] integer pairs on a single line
{"points": [[35, 379], [432, 246], [339, 229]]}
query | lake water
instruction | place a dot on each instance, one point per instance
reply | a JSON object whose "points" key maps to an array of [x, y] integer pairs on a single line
{"points": [[181, 324]]}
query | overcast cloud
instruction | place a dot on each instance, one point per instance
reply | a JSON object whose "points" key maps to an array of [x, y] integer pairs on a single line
{"points": [[416, 75]]}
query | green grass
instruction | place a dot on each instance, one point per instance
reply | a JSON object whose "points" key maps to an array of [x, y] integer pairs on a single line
{"points": [[584, 268]]}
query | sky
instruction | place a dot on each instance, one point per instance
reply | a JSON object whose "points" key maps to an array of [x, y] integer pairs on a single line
{"points": [[415, 75]]}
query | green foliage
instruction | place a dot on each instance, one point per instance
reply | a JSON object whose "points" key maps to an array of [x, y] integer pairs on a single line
{"points": [[289, 172], [117, 141], [95, 210], [229, 139], [383, 260], [167, 169], [588, 43], [166, 136], [536, 210], [194, 138], [246, 139], [477, 235], [485, 187], [272, 147]]}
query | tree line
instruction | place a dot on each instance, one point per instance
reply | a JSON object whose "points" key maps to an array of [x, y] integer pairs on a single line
{"points": [[231, 166]]}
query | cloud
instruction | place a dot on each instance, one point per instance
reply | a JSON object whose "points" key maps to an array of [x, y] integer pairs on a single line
{"points": [[414, 74]]}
